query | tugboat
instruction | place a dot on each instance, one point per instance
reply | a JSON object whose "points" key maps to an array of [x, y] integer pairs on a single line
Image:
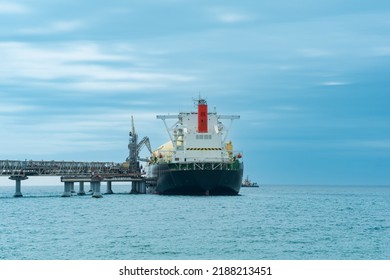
{"points": [[248, 183], [197, 160]]}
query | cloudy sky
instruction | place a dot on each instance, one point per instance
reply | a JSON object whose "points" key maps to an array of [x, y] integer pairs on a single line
{"points": [[310, 80]]}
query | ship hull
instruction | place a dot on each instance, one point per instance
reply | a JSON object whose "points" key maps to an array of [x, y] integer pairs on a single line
{"points": [[187, 179]]}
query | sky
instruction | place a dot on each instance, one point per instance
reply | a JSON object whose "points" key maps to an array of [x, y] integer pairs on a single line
{"points": [[310, 80]]}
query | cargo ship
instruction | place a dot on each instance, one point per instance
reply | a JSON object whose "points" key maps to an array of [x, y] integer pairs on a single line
{"points": [[197, 160]]}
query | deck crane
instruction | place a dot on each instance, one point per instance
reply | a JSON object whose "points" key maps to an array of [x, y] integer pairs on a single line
{"points": [[135, 148]]}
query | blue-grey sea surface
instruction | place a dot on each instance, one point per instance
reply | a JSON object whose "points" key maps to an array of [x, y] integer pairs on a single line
{"points": [[270, 222]]}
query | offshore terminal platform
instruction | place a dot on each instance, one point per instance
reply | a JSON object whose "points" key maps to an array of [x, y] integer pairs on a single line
{"points": [[80, 172]]}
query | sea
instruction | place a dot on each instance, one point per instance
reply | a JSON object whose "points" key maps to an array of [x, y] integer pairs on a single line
{"points": [[272, 222]]}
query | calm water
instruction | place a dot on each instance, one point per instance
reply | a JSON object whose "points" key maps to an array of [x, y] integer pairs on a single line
{"points": [[272, 222]]}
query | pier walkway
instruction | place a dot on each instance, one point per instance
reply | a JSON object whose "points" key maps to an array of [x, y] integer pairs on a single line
{"points": [[71, 172], [56, 168]]}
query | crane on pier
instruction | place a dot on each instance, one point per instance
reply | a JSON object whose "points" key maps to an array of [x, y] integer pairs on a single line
{"points": [[135, 148]]}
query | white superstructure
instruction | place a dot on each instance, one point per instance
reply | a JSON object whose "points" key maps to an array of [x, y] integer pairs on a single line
{"points": [[196, 137]]}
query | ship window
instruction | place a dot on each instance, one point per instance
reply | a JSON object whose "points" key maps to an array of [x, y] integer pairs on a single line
{"points": [[201, 136]]}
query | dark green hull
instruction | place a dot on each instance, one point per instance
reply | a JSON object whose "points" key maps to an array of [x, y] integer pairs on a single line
{"points": [[198, 178]]}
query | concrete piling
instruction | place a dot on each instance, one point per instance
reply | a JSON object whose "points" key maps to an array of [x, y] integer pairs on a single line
{"points": [[90, 188], [68, 189], [109, 188], [81, 189], [142, 187], [95, 185], [134, 185], [72, 189], [138, 187], [18, 185]]}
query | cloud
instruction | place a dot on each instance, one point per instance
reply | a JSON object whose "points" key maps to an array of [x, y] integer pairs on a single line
{"points": [[286, 108], [54, 28], [15, 108], [63, 52], [82, 66], [334, 83], [72, 75], [89, 121], [55, 143], [313, 52], [12, 8], [373, 144], [382, 51], [76, 133], [232, 17], [106, 86], [225, 15]]}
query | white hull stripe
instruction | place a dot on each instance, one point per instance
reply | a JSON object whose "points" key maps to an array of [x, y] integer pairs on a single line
{"points": [[204, 149]]}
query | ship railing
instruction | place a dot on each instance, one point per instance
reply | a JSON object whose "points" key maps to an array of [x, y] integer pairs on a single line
{"points": [[168, 156], [235, 165]]}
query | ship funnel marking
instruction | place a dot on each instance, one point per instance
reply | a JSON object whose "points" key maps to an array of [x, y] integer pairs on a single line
{"points": [[202, 116]]}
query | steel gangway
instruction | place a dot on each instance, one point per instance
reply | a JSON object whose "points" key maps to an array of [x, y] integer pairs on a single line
{"points": [[72, 172], [57, 168]]}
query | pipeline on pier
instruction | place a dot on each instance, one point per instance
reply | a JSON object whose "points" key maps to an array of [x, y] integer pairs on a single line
{"points": [[76, 171]]}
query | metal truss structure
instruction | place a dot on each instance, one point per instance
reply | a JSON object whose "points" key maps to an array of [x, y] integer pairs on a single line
{"points": [[59, 168]]}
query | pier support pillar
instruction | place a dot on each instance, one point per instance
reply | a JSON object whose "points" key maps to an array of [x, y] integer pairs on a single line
{"points": [[18, 179], [72, 189], [138, 187], [141, 187], [134, 187], [109, 188], [67, 189], [90, 187], [95, 185], [81, 189]]}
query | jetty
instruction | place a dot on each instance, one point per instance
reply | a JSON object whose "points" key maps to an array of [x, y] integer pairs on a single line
{"points": [[71, 172]]}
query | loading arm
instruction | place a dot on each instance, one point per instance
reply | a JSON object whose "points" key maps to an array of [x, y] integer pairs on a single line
{"points": [[144, 142]]}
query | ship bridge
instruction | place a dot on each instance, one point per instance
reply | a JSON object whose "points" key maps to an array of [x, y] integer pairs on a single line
{"points": [[194, 138]]}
